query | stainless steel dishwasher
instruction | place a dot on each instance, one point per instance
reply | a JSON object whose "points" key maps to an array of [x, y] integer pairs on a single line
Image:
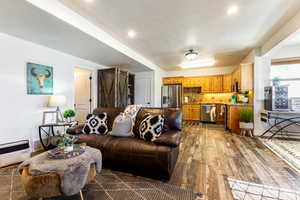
{"points": [[208, 112]]}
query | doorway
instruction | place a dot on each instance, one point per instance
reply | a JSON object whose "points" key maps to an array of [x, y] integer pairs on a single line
{"points": [[83, 94]]}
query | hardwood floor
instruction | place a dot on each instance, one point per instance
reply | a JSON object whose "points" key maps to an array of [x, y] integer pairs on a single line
{"points": [[209, 155]]}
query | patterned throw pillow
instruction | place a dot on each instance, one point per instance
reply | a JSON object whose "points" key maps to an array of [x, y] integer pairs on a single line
{"points": [[151, 127], [96, 124]]}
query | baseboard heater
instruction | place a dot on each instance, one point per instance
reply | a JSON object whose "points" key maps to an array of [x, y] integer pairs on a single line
{"points": [[15, 152]]}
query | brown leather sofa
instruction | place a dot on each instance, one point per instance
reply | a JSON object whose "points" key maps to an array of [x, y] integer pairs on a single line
{"points": [[152, 159]]}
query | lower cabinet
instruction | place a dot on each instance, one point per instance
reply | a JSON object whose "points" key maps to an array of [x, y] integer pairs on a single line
{"points": [[233, 117], [191, 112]]}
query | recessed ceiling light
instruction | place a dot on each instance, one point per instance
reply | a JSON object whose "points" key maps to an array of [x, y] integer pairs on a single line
{"points": [[89, 1], [131, 33], [199, 63], [232, 10]]}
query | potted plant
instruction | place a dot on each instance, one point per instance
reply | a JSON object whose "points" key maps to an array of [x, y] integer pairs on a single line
{"points": [[246, 121], [276, 81], [66, 142], [69, 114]]}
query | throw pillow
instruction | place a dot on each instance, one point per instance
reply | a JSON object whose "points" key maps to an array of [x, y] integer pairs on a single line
{"points": [[122, 126], [151, 127], [96, 124], [132, 111]]}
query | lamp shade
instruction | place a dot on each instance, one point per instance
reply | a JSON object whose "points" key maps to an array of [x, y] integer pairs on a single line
{"points": [[57, 100]]}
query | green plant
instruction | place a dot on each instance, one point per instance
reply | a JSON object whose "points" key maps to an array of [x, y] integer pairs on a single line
{"points": [[69, 113], [67, 140], [246, 115]]}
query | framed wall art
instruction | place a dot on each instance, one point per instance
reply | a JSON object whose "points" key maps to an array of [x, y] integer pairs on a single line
{"points": [[39, 79]]}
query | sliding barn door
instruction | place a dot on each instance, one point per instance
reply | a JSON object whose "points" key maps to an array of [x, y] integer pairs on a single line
{"points": [[107, 88], [122, 89]]}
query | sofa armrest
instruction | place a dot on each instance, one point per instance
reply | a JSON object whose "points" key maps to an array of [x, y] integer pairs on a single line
{"points": [[171, 138], [75, 130]]}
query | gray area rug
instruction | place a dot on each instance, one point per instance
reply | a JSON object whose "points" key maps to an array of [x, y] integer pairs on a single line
{"points": [[110, 185], [242, 190], [289, 150]]}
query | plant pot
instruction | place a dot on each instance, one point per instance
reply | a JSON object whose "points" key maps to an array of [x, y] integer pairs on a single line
{"points": [[246, 125], [68, 149]]}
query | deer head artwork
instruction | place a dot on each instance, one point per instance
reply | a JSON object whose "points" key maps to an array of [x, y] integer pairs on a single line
{"points": [[41, 77]]}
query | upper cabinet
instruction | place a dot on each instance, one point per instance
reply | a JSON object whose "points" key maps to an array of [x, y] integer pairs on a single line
{"points": [[172, 80], [216, 84], [243, 75], [227, 83], [246, 77]]}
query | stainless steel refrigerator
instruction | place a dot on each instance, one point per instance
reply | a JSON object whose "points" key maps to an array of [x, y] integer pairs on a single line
{"points": [[171, 96]]}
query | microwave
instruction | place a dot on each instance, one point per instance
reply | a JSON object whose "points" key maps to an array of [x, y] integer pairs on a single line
{"points": [[276, 98]]}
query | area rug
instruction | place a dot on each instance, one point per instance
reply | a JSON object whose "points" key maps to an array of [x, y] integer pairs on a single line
{"points": [[109, 184], [289, 150], [242, 190]]}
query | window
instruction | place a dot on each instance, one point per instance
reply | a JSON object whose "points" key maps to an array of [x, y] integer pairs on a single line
{"points": [[288, 75]]}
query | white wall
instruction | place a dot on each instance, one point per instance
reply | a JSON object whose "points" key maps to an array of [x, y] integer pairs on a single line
{"points": [[21, 113], [285, 31], [287, 52], [262, 69], [207, 71]]}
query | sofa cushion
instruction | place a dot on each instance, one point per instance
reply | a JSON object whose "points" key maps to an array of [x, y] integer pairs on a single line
{"points": [[96, 124], [151, 127]]}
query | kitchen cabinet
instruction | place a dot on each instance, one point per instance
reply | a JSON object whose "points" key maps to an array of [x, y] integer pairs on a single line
{"points": [[227, 83], [236, 76], [172, 80], [191, 112], [191, 82], [220, 113], [233, 117], [216, 84], [205, 84], [246, 77]]}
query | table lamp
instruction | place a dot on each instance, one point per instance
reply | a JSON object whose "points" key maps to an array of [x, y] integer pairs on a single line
{"points": [[56, 101]]}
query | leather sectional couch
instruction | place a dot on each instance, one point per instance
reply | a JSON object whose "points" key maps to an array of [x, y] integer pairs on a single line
{"points": [[152, 159]]}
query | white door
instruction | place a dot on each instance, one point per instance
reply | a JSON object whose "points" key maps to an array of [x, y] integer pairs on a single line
{"points": [[82, 94], [143, 88]]}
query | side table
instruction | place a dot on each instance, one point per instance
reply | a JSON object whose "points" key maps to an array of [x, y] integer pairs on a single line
{"points": [[46, 131]]}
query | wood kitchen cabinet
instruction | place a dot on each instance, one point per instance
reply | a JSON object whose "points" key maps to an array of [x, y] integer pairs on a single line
{"points": [[216, 84], [172, 80], [246, 81], [244, 76], [233, 117], [236, 76], [205, 82], [191, 112], [227, 83]]}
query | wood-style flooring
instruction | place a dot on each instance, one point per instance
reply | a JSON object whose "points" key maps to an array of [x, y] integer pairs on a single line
{"points": [[209, 155]]}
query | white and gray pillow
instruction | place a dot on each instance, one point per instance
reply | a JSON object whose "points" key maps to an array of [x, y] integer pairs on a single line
{"points": [[96, 124], [122, 126]]}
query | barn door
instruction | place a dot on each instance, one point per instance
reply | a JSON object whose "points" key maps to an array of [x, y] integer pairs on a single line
{"points": [[107, 88], [122, 88]]}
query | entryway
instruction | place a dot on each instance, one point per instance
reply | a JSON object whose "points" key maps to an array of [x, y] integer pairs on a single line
{"points": [[83, 98]]}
